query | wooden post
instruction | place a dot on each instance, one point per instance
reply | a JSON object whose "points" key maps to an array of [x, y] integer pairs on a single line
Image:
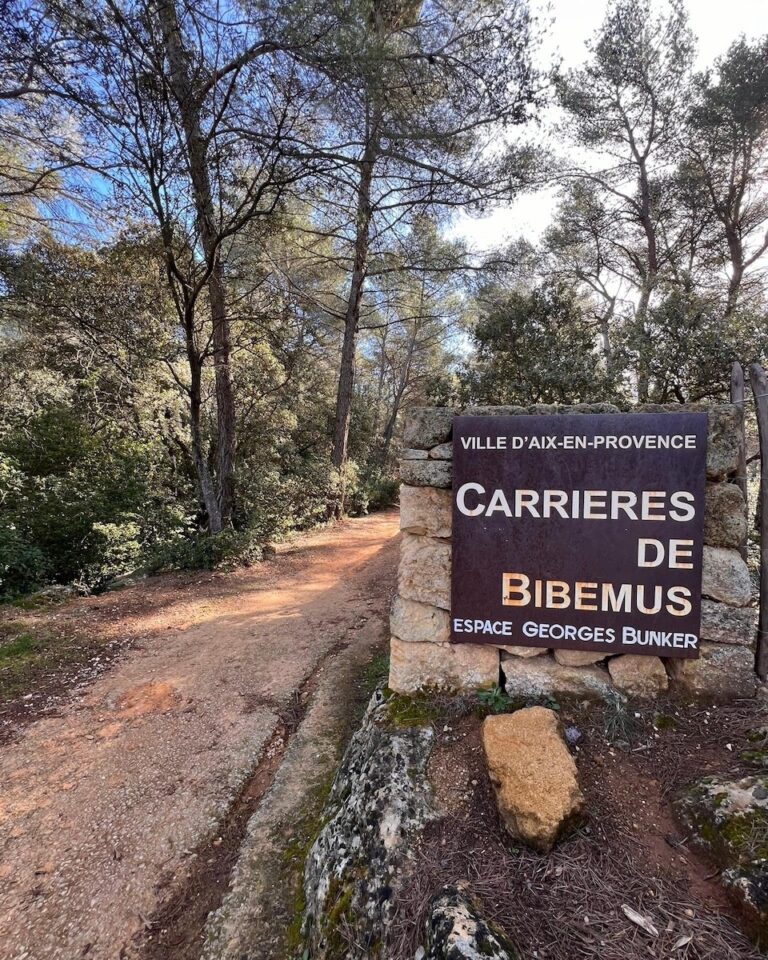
{"points": [[737, 396], [760, 394]]}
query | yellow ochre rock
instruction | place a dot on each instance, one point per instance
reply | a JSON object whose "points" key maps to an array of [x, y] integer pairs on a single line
{"points": [[533, 774]]}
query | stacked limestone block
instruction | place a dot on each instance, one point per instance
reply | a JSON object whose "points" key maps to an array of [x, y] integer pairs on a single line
{"points": [[422, 656]]}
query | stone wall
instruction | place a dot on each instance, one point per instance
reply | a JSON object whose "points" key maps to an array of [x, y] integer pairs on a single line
{"points": [[422, 656]]}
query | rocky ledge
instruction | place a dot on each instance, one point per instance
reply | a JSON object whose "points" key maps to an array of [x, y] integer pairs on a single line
{"points": [[379, 802], [728, 820]]}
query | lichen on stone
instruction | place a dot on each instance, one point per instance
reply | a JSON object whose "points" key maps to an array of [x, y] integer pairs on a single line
{"points": [[729, 821], [379, 802], [456, 931]]}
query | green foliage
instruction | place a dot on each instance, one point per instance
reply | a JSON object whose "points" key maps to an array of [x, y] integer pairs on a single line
{"points": [[22, 565], [496, 699], [207, 551], [535, 347], [78, 506]]}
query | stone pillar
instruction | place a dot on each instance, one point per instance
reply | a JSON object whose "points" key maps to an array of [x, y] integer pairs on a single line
{"points": [[421, 655]]}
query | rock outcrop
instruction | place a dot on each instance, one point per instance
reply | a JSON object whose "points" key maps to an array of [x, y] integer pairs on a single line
{"points": [[533, 775], [379, 801], [728, 820], [456, 931]]}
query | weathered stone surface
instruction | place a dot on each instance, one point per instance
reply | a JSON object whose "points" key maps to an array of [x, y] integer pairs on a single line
{"points": [[725, 576], [426, 511], [426, 427], [419, 622], [426, 473], [485, 411], [638, 676], [443, 451], [728, 820], [456, 931], [725, 516], [411, 454], [725, 424], [580, 658], [547, 408], [511, 652], [544, 677], [721, 673], [445, 666], [724, 440], [723, 624], [533, 775], [424, 573], [379, 802]]}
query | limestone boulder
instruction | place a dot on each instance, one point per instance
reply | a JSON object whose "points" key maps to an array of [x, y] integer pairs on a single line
{"points": [[426, 473], [443, 451], [446, 666], [638, 676], [425, 511], [411, 454], [545, 677], [424, 573], [725, 516], [580, 658], [457, 931], [416, 622], [426, 427], [513, 651], [533, 774], [723, 624], [722, 673], [725, 576]]}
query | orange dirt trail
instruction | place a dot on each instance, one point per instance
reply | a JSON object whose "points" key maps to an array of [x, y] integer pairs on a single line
{"points": [[102, 806]]}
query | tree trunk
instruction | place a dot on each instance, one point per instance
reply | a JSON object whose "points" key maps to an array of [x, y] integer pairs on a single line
{"points": [[205, 481], [352, 315], [645, 346], [649, 283], [189, 109], [737, 271]]}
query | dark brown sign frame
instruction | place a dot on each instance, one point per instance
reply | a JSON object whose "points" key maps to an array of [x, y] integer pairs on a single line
{"points": [[613, 560]]}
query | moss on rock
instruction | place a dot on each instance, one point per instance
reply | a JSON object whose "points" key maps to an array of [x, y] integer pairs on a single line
{"points": [[728, 820]]}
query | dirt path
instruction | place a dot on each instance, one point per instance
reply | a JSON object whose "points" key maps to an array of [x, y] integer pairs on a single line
{"points": [[103, 806]]}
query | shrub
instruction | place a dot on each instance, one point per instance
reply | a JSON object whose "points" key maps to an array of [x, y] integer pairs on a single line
{"points": [[23, 566], [204, 551]]}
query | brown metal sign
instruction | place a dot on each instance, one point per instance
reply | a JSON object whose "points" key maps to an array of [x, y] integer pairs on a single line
{"points": [[579, 532]]}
